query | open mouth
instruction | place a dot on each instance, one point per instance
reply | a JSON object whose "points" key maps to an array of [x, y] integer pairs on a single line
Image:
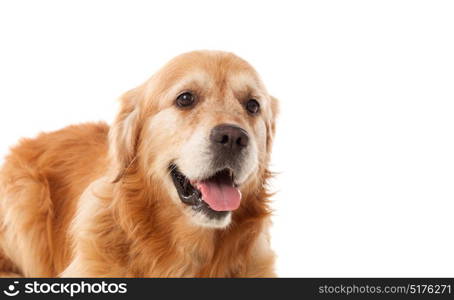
{"points": [[215, 196]]}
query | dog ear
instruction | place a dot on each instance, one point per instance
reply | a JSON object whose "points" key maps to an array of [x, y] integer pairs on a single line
{"points": [[271, 124], [125, 132]]}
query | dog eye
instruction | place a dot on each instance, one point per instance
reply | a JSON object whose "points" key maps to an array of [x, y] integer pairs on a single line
{"points": [[252, 106], [186, 99]]}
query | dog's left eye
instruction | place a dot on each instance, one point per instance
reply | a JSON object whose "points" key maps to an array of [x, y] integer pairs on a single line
{"points": [[185, 100], [252, 106]]}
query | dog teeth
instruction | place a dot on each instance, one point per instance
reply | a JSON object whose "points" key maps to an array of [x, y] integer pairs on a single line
{"points": [[231, 174]]}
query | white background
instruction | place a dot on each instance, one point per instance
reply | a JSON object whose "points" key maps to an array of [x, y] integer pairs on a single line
{"points": [[365, 146]]}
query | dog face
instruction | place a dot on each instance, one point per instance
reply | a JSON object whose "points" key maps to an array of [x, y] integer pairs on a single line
{"points": [[202, 127]]}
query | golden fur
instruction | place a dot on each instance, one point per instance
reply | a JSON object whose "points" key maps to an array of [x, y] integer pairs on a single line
{"points": [[94, 201]]}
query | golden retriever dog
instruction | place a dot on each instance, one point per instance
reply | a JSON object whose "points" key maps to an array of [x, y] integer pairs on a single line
{"points": [[176, 187]]}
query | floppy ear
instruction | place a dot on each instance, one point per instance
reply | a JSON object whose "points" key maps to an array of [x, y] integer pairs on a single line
{"points": [[271, 124], [124, 133]]}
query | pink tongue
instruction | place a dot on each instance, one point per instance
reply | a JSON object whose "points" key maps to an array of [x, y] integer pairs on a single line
{"points": [[220, 196]]}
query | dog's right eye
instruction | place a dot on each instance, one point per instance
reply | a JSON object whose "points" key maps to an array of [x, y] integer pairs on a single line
{"points": [[185, 100]]}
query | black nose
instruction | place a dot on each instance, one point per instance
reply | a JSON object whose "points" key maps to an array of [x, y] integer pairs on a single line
{"points": [[229, 137]]}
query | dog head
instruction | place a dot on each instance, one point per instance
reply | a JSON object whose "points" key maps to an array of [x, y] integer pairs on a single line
{"points": [[201, 128]]}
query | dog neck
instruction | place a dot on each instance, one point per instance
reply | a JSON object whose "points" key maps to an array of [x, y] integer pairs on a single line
{"points": [[169, 244]]}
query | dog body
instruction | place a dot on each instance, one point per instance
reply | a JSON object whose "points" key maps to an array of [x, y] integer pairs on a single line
{"points": [[175, 188]]}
